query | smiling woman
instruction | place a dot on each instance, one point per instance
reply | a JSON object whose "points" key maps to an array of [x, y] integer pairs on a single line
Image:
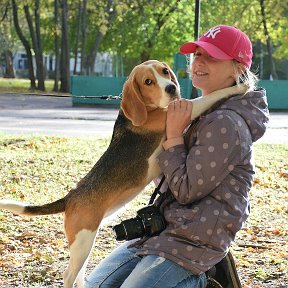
{"points": [[207, 177], [205, 72], [222, 58]]}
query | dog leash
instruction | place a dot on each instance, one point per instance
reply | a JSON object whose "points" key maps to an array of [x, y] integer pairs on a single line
{"points": [[104, 97]]}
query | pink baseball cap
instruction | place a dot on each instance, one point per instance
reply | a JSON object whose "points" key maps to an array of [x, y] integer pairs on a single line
{"points": [[225, 43]]}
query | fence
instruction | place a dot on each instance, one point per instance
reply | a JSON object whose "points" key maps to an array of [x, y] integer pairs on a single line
{"points": [[87, 90]]}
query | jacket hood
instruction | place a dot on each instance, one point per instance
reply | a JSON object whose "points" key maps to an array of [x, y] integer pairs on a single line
{"points": [[253, 108]]}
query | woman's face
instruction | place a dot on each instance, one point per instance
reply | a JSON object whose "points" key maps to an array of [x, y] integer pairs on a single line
{"points": [[210, 74]]}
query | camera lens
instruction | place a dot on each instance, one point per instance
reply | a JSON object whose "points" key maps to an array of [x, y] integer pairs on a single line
{"points": [[129, 229]]}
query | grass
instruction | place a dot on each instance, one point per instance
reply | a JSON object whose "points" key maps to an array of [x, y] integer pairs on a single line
{"points": [[23, 86], [262, 244], [34, 253]]}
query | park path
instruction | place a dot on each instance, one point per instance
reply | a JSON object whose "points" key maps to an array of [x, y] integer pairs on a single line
{"points": [[52, 115]]}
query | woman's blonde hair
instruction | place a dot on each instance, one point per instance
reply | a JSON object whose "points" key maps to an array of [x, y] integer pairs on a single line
{"points": [[245, 76]]}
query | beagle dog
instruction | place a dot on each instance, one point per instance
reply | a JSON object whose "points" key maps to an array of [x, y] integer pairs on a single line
{"points": [[126, 167]]}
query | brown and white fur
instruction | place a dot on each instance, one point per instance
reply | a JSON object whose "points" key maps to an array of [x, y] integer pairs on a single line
{"points": [[126, 167]]}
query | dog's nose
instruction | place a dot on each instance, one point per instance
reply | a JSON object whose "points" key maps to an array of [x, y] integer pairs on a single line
{"points": [[171, 89]]}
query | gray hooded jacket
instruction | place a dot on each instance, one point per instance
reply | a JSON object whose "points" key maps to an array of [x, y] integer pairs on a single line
{"points": [[210, 178]]}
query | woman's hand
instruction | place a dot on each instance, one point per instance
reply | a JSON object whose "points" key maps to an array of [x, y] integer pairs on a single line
{"points": [[178, 118]]}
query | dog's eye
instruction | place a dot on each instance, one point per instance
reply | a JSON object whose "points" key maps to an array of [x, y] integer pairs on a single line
{"points": [[148, 82], [165, 71]]}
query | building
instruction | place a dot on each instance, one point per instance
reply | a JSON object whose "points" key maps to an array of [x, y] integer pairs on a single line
{"points": [[103, 65]]}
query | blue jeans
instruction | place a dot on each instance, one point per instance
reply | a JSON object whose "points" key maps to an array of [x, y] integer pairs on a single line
{"points": [[122, 268]]}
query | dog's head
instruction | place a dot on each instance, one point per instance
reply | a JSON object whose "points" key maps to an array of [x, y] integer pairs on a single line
{"points": [[151, 85]]}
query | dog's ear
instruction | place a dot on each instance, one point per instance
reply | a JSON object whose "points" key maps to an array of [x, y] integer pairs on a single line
{"points": [[172, 75], [132, 104], [174, 78]]}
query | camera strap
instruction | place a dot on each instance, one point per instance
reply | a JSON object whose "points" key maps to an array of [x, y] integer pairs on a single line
{"points": [[156, 191], [163, 197]]}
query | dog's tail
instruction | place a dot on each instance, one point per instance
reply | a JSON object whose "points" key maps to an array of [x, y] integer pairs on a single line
{"points": [[31, 210]]}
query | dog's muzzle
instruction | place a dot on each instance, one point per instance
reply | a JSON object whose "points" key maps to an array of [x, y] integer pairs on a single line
{"points": [[170, 89]]}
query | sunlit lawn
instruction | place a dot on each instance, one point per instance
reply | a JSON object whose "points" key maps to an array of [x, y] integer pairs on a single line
{"points": [[34, 253], [21, 85]]}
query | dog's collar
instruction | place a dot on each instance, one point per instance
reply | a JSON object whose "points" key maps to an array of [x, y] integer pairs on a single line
{"points": [[151, 106]]}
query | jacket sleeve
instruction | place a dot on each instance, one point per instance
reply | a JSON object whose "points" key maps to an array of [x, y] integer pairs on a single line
{"points": [[193, 174]]}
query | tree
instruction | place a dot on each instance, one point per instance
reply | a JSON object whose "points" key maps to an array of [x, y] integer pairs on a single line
{"points": [[5, 44], [110, 14], [25, 43], [136, 30], [35, 36], [9, 70], [154, 29], [65, 50], [160, 16], [268, 40], [56, 35], [78, 35], [83, 23], [250, 16]]}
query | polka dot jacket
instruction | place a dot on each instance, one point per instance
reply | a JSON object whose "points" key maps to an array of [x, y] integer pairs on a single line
{"points": [[210, 178]]}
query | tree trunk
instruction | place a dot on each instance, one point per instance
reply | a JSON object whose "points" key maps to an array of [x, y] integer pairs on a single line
{"points": [[25, 44], [65, 52], [36, 43], [40, 66], [268, 42], [9, 70], [57, 46], [83, 33], [145, 55], [79, 18], [90, 61]]}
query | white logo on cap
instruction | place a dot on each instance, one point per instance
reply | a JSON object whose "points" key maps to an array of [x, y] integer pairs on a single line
{"points": [[212, 32], [240, 55]]}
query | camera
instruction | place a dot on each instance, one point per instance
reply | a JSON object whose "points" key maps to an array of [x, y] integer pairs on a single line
{"points": [[148, 222]]}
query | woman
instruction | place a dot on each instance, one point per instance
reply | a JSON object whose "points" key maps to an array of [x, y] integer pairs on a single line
{"points": [[208, 170]]}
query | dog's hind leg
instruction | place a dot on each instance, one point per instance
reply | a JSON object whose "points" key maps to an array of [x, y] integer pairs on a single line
{"points": [[81, 225], [79, 254]]}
